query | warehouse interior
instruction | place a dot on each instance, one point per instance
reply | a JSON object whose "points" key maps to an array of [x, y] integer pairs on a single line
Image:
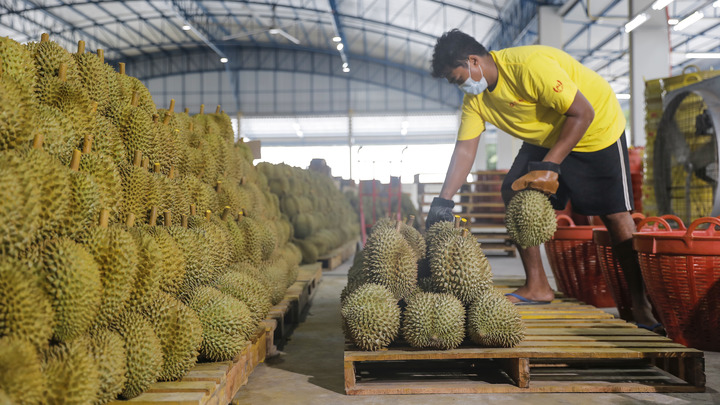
{"points": [[194, 195]]}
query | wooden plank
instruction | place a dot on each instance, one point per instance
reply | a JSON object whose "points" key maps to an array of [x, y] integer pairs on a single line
{"points": [[349, 370], [165, 398], [518, 369], [208, 387]]}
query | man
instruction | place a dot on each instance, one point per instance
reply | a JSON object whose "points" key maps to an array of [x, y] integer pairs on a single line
{"points": [[574, 144]]}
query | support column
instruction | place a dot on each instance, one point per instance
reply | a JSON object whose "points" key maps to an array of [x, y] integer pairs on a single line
{"points": [[550, 27], [649, 59]]}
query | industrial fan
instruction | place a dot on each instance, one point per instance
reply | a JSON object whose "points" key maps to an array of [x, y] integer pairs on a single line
{"points": [[686, 152]]}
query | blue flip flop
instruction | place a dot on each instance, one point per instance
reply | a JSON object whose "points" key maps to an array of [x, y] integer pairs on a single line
{"points": [[526, 301], [652, 328]]}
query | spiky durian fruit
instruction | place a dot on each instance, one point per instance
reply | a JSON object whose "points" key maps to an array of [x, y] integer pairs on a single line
{"points": [[17, 63], [144, 356], [390, 261], [180, 334], [200, 193], [116, 255], [19, 202], [252, 238], [530, 218], [304, 225], [91, 72], [25, 311], [198, 273], [457, 264], [84, 206], [492, 320], [149, 274], [135, 127], [309, 251], [236, 240], [54, 180], [216, 238], [226, 322], [107, 141], [434, 320], [248, 289], [411, 235], [71, 373], [21, 376], [371, 317], [71, 279], [136, 187], [105, 174], [108, 350], [48, 56], [16, 114], [275, 272], [172, 262]]}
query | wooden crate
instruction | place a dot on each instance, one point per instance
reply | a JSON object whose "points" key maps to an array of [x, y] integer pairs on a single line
{"points": [[570, 347], [207, 383]]}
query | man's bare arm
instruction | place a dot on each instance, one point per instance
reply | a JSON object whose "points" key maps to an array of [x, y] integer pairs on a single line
{"points": [[460, 165]]}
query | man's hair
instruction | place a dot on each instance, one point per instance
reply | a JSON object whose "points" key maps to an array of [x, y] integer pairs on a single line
{"points": [[452, 49]]}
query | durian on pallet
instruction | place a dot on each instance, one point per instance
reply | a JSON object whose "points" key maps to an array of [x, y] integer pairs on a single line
{"points": [[569, 347]]}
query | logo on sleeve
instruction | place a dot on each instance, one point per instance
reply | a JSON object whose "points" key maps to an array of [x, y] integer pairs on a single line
{"points": [[558, 87]]}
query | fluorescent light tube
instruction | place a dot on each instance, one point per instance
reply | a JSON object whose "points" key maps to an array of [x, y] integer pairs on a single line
{"points": [[622, 96], [661, 4], [702, 55], [688, 21], [636, 22]]}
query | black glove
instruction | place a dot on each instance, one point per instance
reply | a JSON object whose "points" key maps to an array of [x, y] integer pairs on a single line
{"points": [[440, 210]]}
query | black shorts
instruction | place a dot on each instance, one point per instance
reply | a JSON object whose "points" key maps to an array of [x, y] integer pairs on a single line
{"points": [[597, 183]]}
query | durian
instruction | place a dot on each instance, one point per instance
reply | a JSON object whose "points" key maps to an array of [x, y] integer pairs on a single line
{"points": [[371, 317], [16, 114], [390, 261], [172, 261], [19, 202], [144, 356], [248, 289], [432, 320], [149, 274], [21, 376], [104, 172], [108, 350], [493, 321], [530, 219], [197, 269], [71, 374]]}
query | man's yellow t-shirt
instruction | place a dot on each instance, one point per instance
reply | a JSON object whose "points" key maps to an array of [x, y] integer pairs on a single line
{"points": [[535, 87]]}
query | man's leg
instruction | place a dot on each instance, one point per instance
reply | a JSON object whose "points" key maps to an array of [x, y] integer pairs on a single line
{"points": [[621, 227], [536, 283]]}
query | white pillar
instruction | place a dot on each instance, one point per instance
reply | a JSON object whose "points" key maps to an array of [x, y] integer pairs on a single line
{"points": [[550, 27], [649, 59]]}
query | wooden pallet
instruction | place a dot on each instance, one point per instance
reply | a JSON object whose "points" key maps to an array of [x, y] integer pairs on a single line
{"points": [[207, 383], [338, 256], [570, 347]]}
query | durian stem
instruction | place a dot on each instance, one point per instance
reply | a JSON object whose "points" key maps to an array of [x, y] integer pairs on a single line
{"points": [[193, 209], [153, 216], [87, 143], [75, 161], [38, 141], [135, 99], [81, 47], [166, 120], [130, 222], [222, 112], [104, 218], [62, 72], [226, 213], [156, 167], [93, 107], [465, 232], [192, 126], [202, 109], [242, 180], [145, 162], [137, 159], [171, 175], [156, 118], [207, 215], [463, 222], [217, 110], [168, 218], [184, 220], [171, 109], [218, 186], [101, 55], [239, 216], [187, 110], [398, 225], [121, 68], [457, 221], [44, 37], [1, 68], [410, 219]]}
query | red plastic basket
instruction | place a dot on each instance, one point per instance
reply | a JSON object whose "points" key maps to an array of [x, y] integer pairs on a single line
{"points": [[682, 274], [574, 263]]}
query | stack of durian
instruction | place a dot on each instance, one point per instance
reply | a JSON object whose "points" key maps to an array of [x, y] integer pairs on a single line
{"points": [[116, 270], [433, 291], [322, 219]]}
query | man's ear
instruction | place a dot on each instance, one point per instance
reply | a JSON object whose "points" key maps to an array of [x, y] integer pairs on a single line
{"points": [[474, 60]]}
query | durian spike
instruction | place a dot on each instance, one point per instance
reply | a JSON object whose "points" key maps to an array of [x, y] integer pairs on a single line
{"points": [[145, 162], [218, 186], [87, 143], [226, 213], [156, 118], [137, 159], [171, 109], [156, 167], [410, 219], [153, 216], [121, 68], [44, 37], [38, 141], [193, 209], [135, 99], [184, 220], [81, 47], [75, 161], [208, 213], [187, 110], [171, 175], [104, 218], [202, 109], [130, 222], [168, 218], [62, 72], [217, 110], [101, 55], [398, 225], [457, 221]]}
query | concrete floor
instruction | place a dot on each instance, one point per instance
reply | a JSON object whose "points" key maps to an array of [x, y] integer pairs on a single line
{"points": [[310, 368]]}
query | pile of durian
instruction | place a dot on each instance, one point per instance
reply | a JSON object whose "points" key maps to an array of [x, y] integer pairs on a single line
{"points": [[428, 292], [322, 218], [133, 241]]}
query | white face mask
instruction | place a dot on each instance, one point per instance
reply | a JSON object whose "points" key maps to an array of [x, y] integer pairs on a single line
{"points": [[474, 87]]}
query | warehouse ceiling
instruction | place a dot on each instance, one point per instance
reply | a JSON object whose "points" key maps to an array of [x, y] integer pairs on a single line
{"points": [[386, 35]]}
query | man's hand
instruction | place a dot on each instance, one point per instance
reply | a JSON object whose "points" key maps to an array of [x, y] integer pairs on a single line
{"points": [[440, 210], [542, 176]]}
